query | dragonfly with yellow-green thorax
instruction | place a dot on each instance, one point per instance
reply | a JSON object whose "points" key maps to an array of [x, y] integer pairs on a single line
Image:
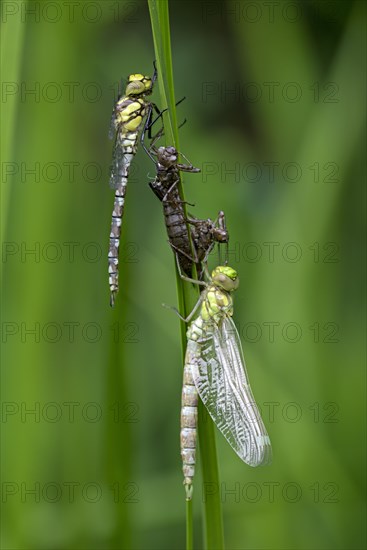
{"points": [[215, 371], [132, 111]]}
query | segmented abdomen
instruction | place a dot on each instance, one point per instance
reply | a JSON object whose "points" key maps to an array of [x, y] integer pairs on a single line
{"points": [[165, 187], [189, 406], [177, 232], [124, 154]]}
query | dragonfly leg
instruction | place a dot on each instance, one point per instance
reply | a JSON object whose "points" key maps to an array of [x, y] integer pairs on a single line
{"points": [[184, 277], [160, 113], [222, 235], [150, 123], [205, 259], [182, 123], [190, 316], [155, 73], [206, 271], [188, 167], [180, 100], [168, 192], [225, 255], [188, 256], [147, 129]]}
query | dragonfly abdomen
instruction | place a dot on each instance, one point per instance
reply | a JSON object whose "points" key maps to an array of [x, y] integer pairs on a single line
{"points": [[115, 232], [165, 188], [119, 177], [189, 415], [178, 234]]}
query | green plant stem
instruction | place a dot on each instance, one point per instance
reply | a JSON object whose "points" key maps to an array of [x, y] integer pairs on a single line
{"points": [[189, 526], [12, 37], [187, 293], [213, 522]]}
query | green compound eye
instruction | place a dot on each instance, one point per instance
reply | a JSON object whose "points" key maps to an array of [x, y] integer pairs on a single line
{"points": [[138, 84], [225, 277]]}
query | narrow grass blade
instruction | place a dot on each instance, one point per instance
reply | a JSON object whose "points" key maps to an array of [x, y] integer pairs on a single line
{"points": [[187, 294], [12, 37]]}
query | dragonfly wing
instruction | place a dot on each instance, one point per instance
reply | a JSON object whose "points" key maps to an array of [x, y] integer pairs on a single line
{"points": [[112, 129], [222, 383], [117, 163]]}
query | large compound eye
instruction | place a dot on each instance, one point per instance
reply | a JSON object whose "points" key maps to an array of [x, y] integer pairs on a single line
{"points": [[221, 235], [135, 87], [225, 277]]}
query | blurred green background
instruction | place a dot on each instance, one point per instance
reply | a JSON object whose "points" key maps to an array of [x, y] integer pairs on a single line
{"points": [[275, 114]]}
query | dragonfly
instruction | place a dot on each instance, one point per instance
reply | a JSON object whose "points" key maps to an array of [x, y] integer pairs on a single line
{"points": [[181, 229], [132, 111], [215, 372]]}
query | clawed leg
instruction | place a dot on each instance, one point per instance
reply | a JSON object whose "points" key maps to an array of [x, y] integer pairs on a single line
{"points": [[198, 303], [155, 74], [188, 256], [147, 128], [150, 123], [168, 192], [184, 277], [190, 316]]}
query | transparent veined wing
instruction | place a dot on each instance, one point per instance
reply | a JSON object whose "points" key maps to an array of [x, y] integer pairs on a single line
{"points": [[221, 379], [112, 129], [117, 163]]}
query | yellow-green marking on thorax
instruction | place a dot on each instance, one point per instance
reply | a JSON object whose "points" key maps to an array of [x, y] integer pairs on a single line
{"points": [[218, 299], [131, 108]]}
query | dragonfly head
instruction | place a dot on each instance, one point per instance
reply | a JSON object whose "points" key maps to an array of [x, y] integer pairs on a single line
{"points": [[167, 156], [225, 277], [139, 84], [221, 235]]}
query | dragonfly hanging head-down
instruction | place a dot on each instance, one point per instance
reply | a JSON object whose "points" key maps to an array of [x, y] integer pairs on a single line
{"points": [[131, 112], [215, 371]]}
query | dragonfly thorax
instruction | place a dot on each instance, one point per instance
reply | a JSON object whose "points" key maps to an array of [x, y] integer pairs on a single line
{"points": [[129, 114], [217, 304]]}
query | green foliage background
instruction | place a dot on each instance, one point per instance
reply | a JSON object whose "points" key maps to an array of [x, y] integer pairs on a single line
{"points": [[101, 450]]}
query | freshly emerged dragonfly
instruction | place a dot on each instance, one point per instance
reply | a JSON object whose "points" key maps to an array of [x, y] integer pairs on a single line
{"points": [[215, 371], [131, 111], [204, 233]]}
